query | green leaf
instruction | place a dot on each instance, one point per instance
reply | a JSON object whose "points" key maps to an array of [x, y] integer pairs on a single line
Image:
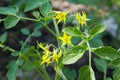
{"points": [[69, 73], [11, 10], [86, 73], [34, 4], [108, 78], [3, 37], [36, 14], [73, 55], [46, 8], [10, 21], [115, 63], [98, 62], [107, 53], [13, 69], [97, 29], [96, 42], [36, 34], [72, 31], [60, 73], [25, 31], [116, 74], [85, 2], [28, 66]]}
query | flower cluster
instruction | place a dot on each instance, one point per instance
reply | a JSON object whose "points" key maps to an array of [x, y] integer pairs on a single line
{"points": [[49, 56]]}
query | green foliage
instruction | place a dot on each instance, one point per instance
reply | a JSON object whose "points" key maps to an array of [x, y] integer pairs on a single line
{"points": [[107, 53], [25, 31], [69, 73], [10, 21], [74, 54], [82, 38], [11, 10], [45, 9], [34, 4], [3, 37], [98, 62], [97, 29], [116, 73], [86, 73], [72, 31]]}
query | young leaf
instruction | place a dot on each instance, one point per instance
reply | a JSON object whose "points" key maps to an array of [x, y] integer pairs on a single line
{"points": [[34, 4], [107, 53], [36, 14], [36, 34], [72, 31], [25, 31], [98, 62], [86, 73], [46, 8], [73, 55], [10, 21], [97, 29], [116, 73], [3, 37], [12, 10]]}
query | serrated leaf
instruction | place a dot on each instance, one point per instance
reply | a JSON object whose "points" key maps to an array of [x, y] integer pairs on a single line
{"points": [[86, 73], [34, 4], [97, 29], [11, 10], [25, 31], [36, 34], [46, 8], [73, 55], [3, 37], [36, 14], [107, 53], [72, 31], [10, 21]]}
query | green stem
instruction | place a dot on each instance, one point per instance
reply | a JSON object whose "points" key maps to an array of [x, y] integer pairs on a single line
{"points": [[30, 19], [56, 28], [8, 48], [89, 49], [105, 75]]}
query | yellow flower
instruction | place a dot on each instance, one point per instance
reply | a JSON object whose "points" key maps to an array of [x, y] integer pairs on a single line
{"points": [[45, 59], [65, 39], [81, 18], [45, 48], [56, 56], [60, 16]]}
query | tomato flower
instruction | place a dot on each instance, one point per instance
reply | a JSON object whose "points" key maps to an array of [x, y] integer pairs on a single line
{"points": [[65, 39], [60, 16], [81, 18]]}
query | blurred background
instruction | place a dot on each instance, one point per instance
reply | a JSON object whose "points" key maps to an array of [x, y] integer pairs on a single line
{"points": [[99, 11]]}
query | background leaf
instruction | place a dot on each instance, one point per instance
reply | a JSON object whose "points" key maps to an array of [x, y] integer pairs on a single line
{"points": [[37, 34], [25, 31], [10, 21], [3, 37], [69, 73], [11, 10], [116, 74], [107, 53], [34, 4], [86, 73]]}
